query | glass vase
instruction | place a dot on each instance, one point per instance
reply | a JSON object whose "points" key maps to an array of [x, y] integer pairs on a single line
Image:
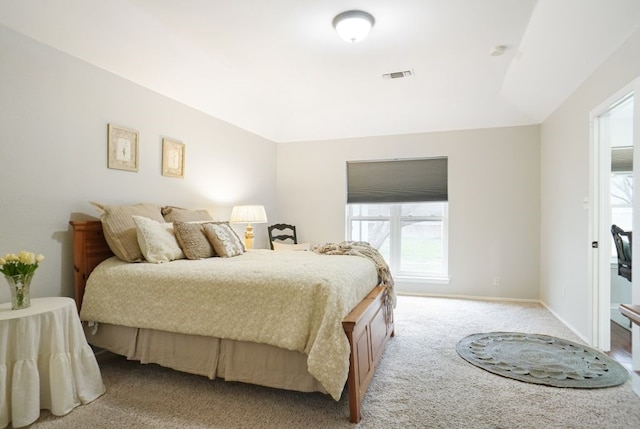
{"points": [[20, 294]]}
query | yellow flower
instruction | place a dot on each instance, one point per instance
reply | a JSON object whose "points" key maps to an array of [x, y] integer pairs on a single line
{"points": [[23, 264], [26, 258]]}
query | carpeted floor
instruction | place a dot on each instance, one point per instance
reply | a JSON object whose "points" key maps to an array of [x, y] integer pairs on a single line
{"points": [[421, 383]]}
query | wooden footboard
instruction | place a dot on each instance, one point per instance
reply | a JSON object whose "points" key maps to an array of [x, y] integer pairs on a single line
{"points": [[368, 327]]}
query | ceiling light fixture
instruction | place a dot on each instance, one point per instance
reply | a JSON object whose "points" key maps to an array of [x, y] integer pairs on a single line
{"points": [[353, 25]]}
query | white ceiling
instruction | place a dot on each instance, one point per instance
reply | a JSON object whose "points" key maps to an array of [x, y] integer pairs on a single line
{"points": [[278, 69]]}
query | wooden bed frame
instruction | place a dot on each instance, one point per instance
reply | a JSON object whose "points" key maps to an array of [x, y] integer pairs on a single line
{"points": [[368, 327]]}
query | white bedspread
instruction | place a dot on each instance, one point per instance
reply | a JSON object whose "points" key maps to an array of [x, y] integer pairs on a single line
{"points": [[292, 300]]}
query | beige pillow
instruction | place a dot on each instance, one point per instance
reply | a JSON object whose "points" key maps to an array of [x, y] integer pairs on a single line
{"points": [[177, 214], [120, 230], [277, 245], [157, 240], [192, 240], [223, 239]]}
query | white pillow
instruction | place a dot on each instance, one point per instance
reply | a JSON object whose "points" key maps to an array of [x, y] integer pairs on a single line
{"points": [[157, 240], [285, 246]]}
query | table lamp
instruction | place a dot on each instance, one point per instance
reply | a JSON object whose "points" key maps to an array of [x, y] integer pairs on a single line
{"points": [[248, 215]]}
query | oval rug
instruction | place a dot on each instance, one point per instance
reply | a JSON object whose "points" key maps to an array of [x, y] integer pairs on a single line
{"points": [[541, 359]]}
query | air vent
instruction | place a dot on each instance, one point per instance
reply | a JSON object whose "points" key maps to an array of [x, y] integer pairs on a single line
{"points": [[397, 75]]}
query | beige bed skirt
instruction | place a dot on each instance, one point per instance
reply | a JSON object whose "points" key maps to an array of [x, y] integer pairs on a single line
{"points": [[230, 360]]}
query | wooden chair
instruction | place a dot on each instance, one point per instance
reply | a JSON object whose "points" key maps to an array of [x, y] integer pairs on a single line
{"points": [[282, 232], [622, 240]]}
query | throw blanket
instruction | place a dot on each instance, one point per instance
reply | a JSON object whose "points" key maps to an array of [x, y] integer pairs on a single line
{"points": [[292, 300], [362, 249]]}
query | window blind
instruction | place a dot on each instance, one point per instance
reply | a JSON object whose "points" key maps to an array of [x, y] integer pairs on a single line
{"points": [[397, 181], [622, 159]]}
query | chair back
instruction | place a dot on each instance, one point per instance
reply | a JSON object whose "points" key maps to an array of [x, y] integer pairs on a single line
{"points": [[282, 232], [622, 239]]}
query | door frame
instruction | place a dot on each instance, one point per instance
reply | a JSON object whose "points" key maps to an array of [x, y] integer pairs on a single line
{"points": [[600, 222]]}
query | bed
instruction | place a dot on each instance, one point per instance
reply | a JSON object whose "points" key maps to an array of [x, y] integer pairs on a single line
{"points": [[208, 341]]}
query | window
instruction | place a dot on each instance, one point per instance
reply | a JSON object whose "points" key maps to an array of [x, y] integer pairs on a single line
{"points": [[400, 208], [412, 237], [621, 204]]}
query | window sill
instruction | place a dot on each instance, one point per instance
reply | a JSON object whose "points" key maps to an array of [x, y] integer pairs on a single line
{"points": [[421, 280]]}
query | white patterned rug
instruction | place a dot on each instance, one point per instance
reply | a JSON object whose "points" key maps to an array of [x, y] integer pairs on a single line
{"points": [[541, 359]]}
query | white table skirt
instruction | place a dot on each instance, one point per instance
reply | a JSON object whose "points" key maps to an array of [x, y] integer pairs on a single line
{"points": [[45, 361]]}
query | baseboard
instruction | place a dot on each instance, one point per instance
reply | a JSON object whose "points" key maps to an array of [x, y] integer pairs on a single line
{"points": [[469, 297], [567, 324]]}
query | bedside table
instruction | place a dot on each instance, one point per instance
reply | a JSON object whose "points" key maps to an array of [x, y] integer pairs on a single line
{"points": [[45, 361]]}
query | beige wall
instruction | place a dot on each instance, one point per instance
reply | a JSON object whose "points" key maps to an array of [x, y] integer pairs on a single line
{"points": [[55, 111], [494, 205], [565, 246]]}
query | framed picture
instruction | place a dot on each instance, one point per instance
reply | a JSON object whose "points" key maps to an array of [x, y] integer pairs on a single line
{"points": [[172, 158], [122, 148]]}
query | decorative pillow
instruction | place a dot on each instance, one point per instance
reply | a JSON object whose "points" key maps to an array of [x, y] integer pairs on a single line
{"points": [[120, 230], [157, 240], [237, 240], [277, 245], [177, 214], [223, 239], [192, 240], [241, 241]]}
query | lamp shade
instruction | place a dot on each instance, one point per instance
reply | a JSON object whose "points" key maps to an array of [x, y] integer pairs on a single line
{"points": [[353, 25], [248, 214]]}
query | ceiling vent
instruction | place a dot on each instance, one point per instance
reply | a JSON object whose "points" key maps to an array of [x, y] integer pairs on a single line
{"points": [[397, 75]]}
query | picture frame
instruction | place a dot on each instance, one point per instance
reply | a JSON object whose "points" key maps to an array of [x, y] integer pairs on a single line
{"points": [[172, 158], [122, 148]]}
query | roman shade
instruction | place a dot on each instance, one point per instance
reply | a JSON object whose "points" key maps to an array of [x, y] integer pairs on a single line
{"points": [[621, 159], [397, 181]]}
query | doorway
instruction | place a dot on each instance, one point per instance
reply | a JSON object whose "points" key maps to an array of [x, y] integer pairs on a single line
{"points": [[613, 179], [601, 215], [616, 131]]}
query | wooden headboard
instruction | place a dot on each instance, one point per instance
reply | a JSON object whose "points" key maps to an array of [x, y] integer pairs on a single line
{"points": [[89, 249]]}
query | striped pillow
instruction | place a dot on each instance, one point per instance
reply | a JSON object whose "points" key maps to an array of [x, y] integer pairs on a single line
{"points": [[120, 229]]}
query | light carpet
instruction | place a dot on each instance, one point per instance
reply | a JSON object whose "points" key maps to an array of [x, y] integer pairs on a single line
{"points": [[421, 383]]}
